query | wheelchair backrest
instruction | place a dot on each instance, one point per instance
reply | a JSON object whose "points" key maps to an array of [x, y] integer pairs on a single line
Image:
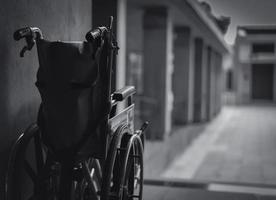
{"points": [[66, 80]]}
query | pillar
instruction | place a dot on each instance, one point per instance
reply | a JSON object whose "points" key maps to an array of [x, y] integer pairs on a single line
{"points": [[157, 71], [101, 10], [204, 83], [213, 84], [208, 83], [183, 53], [220, 83], [217, 82], [135, 56], [198, 78]]}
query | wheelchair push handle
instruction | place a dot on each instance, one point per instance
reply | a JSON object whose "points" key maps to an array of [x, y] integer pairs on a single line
{"points": [[27, 32], [23, 32], [31, 34], [98, 33]]}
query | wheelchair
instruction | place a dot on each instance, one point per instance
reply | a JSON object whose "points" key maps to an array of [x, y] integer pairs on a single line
{"points": [[81, 147]]}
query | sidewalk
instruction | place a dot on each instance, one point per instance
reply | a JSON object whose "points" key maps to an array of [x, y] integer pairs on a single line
{"points": [[238, 146], [170, 193]]}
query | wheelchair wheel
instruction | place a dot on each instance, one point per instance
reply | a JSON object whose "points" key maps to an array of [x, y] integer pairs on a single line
{"points": [[123, 173], [34, 175], [26, 161]]}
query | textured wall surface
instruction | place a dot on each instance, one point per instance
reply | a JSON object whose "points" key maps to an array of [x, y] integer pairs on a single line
{"points": [[19, 99]]}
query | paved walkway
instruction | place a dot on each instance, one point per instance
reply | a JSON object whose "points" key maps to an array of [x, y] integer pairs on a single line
{"points": [[238, 146], [174, 193]]}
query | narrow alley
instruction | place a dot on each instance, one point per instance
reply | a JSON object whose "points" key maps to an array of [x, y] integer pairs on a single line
{"points": [[238, 146], [233, 158]]}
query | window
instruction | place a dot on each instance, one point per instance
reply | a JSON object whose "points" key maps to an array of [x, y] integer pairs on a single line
{"points": [[263, 48]]}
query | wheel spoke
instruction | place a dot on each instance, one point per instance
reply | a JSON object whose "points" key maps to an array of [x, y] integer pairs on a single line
{"points": [[89, 178], [123, 167], [98, 170], [94, 165]]}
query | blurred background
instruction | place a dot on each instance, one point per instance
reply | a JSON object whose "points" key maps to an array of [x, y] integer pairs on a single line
{"points": [[203, 70]]}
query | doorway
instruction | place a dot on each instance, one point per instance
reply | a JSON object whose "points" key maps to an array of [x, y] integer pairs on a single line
{"points": [[262, 81]]}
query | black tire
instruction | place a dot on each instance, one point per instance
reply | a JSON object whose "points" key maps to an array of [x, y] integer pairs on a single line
{"points": [[26, 161], [131, 183], [34, 175], [123, 173]]}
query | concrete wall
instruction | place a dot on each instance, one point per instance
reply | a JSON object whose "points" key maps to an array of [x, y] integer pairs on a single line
{"points": [[19, 99]]}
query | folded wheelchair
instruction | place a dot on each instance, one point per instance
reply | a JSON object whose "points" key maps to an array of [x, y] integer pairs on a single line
{"points": [[81, 147]]}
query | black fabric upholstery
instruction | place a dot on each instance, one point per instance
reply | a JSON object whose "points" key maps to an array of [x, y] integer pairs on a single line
{"points": [[66, 79]]}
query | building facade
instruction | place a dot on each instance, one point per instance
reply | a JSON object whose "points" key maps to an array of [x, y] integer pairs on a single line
{"points": [[175, 52], [254, 61]]}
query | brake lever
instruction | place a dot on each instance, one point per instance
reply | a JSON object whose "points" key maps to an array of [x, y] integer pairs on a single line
{"points": [[23, 50], [30, 43]]}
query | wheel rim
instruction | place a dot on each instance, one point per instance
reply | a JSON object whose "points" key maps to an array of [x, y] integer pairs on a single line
{"points": [[33, 174], [132, 172], [27, 159], [118, 178]]}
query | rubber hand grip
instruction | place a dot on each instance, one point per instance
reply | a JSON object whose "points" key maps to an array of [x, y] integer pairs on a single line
{"points": [[21, 33], [93, 35]]}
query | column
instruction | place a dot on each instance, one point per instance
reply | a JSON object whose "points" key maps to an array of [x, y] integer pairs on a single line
{"points": [[157, 102], [217, 82], [101, 10], [208, 83], [182, 75], [204, 83], [220, 82], [198, 89], [213, 84]]}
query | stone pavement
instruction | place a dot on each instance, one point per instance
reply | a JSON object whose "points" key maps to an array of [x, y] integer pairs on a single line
{"points": [[174, 193], [238, 146]]}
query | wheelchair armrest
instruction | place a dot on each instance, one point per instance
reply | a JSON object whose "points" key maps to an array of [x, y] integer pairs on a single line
{"points": [[123, 93]]}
